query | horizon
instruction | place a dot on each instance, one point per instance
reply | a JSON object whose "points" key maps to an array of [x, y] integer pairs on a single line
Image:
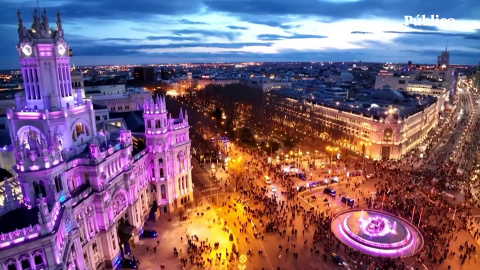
{"points": [[210, 31]]}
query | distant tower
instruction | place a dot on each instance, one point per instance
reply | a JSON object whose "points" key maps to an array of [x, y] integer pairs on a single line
{"points": [[169, 155], [443, 60]]}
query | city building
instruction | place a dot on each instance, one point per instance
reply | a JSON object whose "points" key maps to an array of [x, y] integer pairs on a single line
{"points": [[430, 88], [130, 100], [443, 60], [206, 80], [143, 74], [381, 124], [79, 193], [396, 81]]}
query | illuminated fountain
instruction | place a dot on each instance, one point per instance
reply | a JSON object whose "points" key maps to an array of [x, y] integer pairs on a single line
{"points": [[377, 233]]}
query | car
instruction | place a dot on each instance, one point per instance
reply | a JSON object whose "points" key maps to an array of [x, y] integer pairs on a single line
{"points": [[267, 180], [334, 180], [149, 233], [370, 175], [348, 201], [128, 263], [274, 190], [302, 176], [337, 259], [329, 191]]}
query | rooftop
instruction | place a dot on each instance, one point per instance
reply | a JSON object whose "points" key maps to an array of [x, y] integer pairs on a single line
{"points": [[367, 102]]}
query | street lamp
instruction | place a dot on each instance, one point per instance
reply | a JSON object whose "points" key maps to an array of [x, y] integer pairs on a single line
{"points": [[332, 150]]}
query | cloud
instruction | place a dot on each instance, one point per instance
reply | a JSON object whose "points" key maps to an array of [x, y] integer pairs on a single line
{"points": [[125, 50], [173, 38], [433, 33], [122, 39], [207, 33], [233, 27], [282, 37], [184, 21], [423, 27], [274, 24], [346, 9], [361, 32]]}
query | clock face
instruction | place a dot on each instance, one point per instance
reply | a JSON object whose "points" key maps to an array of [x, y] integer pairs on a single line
{"points": [[27, 50], [61, 49]]}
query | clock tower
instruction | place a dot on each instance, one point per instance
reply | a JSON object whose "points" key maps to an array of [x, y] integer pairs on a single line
{"points": [[44, 61]]}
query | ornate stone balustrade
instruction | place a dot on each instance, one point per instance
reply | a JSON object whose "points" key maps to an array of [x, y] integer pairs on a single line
{"points": [[17, 236]]}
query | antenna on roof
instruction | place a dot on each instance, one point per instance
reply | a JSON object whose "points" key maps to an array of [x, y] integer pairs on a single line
{"points": [[446, 46], [38, 6]]}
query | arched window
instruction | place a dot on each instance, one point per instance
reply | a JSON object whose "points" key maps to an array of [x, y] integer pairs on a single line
{"points": [[36, 189], [162, 189], [42, 189], [160, 164], [12, 266], [387, 135], [25, 264], [72, 184], [38, 260], [57, 187]]}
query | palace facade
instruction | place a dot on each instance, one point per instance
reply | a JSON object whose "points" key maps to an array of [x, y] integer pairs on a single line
{"points": [[380, 124], [79, 194]]}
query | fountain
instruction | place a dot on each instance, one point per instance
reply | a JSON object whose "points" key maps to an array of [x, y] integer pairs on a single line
{"points": [[377, 233]]}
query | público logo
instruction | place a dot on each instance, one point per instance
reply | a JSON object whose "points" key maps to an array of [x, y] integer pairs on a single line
{"points": [[433, 20]]}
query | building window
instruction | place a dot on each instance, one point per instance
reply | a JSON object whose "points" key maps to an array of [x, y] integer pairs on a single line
{"points": [[387, 135], [97, 118], [164, 194], [25, 264], [38, 260], [113, 241], [149, 124]]}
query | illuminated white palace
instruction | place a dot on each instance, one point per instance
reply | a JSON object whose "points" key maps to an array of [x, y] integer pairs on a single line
{"points": [[79, 193]]}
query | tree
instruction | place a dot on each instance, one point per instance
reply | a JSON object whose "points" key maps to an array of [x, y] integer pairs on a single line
{"points": [[197, 198], [245, 136], [181, 213]]}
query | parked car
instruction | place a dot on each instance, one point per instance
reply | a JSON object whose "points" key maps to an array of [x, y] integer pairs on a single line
{"points": [[337, 259], [329, 191], [149, 233], [128, 263], [348, 201], [334, 180], [274, 190], [370, 175], [302, 176]]}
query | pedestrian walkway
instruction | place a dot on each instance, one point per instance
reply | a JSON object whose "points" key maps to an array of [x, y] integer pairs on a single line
{"points": [[155, 252]]}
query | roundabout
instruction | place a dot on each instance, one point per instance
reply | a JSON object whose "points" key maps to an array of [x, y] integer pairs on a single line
{"points": [[377, 233]]}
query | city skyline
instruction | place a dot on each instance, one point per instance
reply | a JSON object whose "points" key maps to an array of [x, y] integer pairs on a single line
{"points": [[113, 33]]}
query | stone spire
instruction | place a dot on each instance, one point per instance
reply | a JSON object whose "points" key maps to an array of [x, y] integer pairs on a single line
{"points": [[185, 116], [59, 25], [20, 22], [36, 22], [180, 115], [45, 20]]}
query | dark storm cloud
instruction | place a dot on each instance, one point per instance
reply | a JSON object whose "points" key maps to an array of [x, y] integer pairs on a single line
{"points": [[206, 33], [125, 10], [423, 27], [184, 21], [360, 32], [173, 38], [281, 37], [346, 10], [233, 27]]}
